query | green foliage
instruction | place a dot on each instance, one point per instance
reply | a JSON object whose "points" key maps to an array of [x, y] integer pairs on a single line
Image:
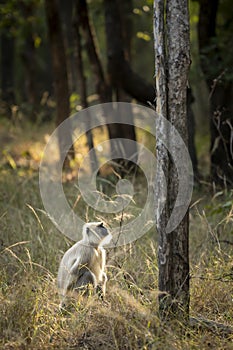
{"points": [[143, 36], [14, 18], [74, 102], [9, 14]]}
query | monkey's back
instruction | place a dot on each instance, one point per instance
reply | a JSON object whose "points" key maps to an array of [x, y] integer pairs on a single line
{"points": [[81, 255]]}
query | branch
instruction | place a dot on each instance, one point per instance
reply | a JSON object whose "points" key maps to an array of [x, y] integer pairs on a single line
{"points": [[220, 279], [214, 327]]}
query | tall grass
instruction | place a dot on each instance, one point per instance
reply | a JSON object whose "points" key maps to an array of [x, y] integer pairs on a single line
{"points": [[31, 249]]}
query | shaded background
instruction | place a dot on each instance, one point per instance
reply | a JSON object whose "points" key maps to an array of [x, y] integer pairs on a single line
{"points": [[58, 57]]}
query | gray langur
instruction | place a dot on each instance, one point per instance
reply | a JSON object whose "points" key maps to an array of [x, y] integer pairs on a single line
{"points": [[84, 263]]}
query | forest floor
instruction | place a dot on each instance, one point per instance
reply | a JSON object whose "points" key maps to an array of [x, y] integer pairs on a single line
{"points": [[31, 248]]}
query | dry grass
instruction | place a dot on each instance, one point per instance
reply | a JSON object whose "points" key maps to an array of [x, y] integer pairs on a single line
{"points": [[30, 250]]}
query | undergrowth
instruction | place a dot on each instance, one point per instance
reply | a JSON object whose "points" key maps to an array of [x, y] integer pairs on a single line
{"points": [[31, 248]]}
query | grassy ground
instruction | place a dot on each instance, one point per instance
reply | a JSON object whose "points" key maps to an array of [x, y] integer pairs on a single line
{"points": [[31, 248]]}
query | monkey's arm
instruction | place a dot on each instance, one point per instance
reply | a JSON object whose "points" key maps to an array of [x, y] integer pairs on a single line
{"points": [[103, 259], [101, 288], [75, 266]]}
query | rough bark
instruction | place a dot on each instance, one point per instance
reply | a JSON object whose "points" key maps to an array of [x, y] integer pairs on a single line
{"points": [[215, 327], [171, 70], [60, 73], [221, 92], [164, 240], [178, 53]]}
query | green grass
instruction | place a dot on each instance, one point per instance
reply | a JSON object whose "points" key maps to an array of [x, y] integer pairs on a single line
{"points": [[30, 251]]}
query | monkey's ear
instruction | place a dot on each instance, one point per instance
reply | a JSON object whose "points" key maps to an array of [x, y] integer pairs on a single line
{"points": [[87, 230], [101, 224]]}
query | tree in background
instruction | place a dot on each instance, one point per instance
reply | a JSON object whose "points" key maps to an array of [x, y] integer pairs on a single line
{"points": [[119, 69], [25, 63], [103, 86], [66, 10], [82, 85], [60, 73], [28, 54], [7, 62], [7, 68], [215, 49], [172, 61], [118, 39]]}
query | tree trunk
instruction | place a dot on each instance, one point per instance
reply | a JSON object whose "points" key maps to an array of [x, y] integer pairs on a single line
{"points": [[83, 88], [221, 93], [126, 14], [172, 62], [66, 10], [191, 133], [29, 58], [119, 69], [119, 28], [102, 88], [60, 75], [7, 71]]}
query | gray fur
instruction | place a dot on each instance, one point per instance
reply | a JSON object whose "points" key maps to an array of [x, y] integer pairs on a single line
{"points": [[84, 263]]}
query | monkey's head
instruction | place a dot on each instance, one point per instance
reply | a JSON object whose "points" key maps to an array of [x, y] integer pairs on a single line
{"points": [[95, 233]]}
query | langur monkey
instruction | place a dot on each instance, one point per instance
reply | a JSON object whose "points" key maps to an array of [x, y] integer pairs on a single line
{"points": [[84, 263]]}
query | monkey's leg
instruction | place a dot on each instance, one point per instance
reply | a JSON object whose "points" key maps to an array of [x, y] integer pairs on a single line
{"points": [[65, 286], [101, 288], [85, 279]]}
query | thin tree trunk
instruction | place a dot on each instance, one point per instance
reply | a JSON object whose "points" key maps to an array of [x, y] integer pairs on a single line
{"points": [[102, 88], [191, 133], [126, 18], [221, 107], [29, 62], [118, 26], [83, 88], [29, 58], [171, 71], [126, 27], [60, 75], [7, 71], [66, 10]]}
